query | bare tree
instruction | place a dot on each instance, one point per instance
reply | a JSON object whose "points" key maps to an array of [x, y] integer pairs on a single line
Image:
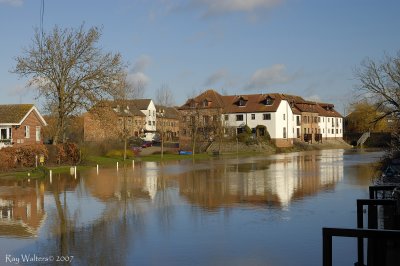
{"points": [[380, 81], [69, 71], [126, 91], [164, 98]]}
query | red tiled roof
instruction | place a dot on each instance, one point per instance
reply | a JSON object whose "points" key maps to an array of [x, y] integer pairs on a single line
{"points": [[254, 103], [13, 113], [214, 100]]}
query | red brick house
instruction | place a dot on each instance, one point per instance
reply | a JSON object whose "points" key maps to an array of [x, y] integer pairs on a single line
{"points": [[20, 124]]}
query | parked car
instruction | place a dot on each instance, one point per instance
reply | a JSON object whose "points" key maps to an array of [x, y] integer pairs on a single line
{"points": [[146, 144]]}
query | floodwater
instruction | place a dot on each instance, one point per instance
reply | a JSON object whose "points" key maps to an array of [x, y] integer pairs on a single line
{"points": [[245, 211]]}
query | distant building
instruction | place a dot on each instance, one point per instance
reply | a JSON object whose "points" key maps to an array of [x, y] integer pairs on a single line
{"points": [[285, 117], [108, 119], [168, 122], [20, 124]]}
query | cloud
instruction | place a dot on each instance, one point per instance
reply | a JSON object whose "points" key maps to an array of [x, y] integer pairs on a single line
{"points": [[136, 75], [138, 79], [313, 98], [141, 64], [216, 77], [267, 77], [213, 7], [15, 3]]}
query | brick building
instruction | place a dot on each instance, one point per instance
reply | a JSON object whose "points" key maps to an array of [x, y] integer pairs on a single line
{"points": [[20, 124]]}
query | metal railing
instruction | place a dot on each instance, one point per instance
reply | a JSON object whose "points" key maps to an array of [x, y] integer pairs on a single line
{"points": [[329, 233], [372, 233]]}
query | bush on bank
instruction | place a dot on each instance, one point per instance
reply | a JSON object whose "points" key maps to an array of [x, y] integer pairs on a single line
{"points": [[22, 156]]}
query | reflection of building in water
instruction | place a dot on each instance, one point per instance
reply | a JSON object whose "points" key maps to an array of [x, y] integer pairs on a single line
{"points": [[109, 184], [21, 209], [279, 180]]}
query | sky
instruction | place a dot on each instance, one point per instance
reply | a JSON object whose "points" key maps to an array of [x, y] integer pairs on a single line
{"points": [[308, 48]]}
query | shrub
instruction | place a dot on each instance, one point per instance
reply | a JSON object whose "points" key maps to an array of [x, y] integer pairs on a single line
{"points": [[7, 161], [26, 155], [67, 153]]}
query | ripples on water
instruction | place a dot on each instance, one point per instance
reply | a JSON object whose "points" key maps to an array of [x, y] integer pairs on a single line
{"points": [[240, 211]]}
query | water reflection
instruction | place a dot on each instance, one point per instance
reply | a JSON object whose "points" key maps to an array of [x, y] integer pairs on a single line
{"points": [[21, 208], [276, 181], [103, 217]]}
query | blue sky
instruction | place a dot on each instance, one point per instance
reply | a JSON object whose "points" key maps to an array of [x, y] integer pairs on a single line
{"points": [[303, 47]]}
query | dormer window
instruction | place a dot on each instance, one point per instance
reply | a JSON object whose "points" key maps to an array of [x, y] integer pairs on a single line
{"points": [[268, 100], [205, 103], [241, 101]]}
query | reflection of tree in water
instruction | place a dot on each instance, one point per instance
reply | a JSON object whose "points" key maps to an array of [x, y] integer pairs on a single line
{"points": [[163, 201], [103, 242]]}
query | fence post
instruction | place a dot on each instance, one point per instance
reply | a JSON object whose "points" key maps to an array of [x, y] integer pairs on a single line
{"points": [[326, 247]]}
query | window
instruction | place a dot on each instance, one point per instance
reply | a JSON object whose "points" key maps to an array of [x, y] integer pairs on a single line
{"points": [[269, 101], [336, 131], [205, 103], [3, 133], [319, 119], [242, 102], [239, 117], [27, 133], [226, 117], [267, 116], [284, 132], [298, 120], [149, 113], [284, 116], [37, 133], [253, 116]]}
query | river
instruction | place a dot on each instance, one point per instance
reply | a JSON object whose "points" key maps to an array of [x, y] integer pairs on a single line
{"points": [[237, 211]]}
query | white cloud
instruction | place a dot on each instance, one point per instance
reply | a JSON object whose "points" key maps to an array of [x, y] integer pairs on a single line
{"points": [[136, 76], [138, 79], [12, 2], [267, 77], [227, 6], [142, 63]]}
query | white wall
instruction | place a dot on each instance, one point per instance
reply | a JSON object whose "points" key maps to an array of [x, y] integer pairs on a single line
{"points": [[151, 122], [274, 126]]}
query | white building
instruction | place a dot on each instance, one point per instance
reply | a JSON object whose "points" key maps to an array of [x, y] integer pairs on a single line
{"points": [[148, 108], [285, 117]]}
